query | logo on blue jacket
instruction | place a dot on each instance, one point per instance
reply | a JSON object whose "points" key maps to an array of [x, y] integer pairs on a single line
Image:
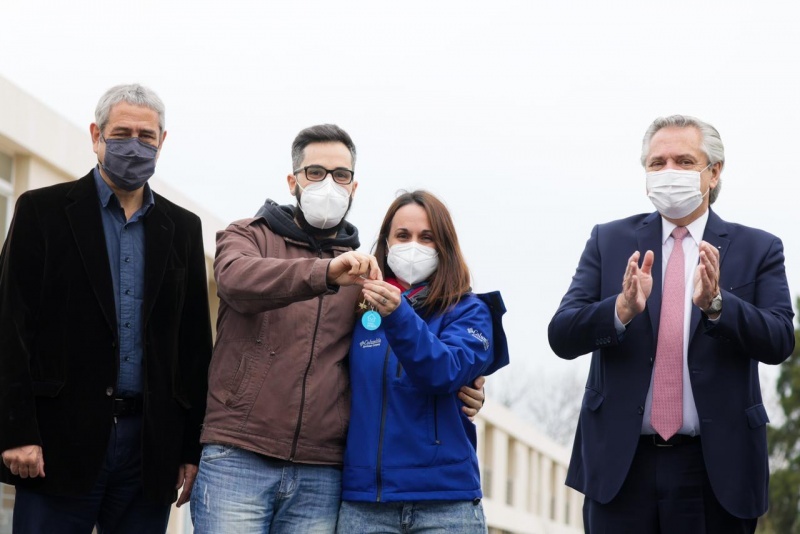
{"points": [[370, 343], [479, 336]]}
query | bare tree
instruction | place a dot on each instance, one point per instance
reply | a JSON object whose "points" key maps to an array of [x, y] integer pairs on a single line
{"points": [[548, 399]]}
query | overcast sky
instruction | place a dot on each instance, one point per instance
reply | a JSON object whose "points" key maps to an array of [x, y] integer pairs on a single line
{"points": [[525, 117]]}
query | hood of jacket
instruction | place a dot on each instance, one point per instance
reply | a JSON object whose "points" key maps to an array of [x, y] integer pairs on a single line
{"points": [[280, 219]]}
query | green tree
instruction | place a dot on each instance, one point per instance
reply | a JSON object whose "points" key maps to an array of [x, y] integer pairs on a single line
{"points": [[784, 446]]}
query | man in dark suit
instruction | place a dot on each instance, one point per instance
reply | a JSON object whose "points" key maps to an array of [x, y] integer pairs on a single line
{"points": [[105, 338], [672, 431]]}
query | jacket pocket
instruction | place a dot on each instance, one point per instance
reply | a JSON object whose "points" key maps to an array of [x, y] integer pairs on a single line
{"points": [[592, 399], [47, 388], [181, 400], [237, 383], [757, 416]]}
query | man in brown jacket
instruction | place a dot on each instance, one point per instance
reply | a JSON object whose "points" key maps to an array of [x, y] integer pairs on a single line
{"points": [[278, 398], [279, 392]]}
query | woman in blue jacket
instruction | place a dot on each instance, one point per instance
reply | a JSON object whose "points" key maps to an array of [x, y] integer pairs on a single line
{"points": [[410, 461]]}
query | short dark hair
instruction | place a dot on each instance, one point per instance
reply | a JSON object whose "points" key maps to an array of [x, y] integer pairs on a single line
{"points": [[321, 133]]}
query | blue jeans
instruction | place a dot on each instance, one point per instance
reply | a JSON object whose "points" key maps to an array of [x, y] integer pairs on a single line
{"points": [[243, 492], [115, 504], [456, 517]]}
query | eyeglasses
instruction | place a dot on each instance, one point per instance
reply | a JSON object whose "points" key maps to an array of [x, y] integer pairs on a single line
{"points": [[317, 173]]}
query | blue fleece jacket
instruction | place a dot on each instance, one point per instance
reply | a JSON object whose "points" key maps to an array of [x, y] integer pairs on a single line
{"points": [[408, 439]]}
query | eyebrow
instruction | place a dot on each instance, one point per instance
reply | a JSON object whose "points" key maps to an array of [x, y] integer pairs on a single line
{"points": [[679, 156], [127, 129], [422, 232]]}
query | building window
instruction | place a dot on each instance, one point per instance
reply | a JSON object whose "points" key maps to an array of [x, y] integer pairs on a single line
{"points": [[6, 194]]}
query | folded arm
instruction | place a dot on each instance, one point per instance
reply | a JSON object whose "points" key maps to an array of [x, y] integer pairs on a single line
{"points": [[442, 363]]}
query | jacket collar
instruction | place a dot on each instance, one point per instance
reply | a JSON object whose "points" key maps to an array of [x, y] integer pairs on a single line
{"points": [[159, 231], [280, 219], [648, 237], [83, 214]]}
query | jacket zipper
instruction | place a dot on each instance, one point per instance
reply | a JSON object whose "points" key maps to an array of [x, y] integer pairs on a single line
{"points": [[384, 409], [305, 380], [436, 421]]}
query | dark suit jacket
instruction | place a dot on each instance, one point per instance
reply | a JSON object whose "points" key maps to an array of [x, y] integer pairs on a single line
{"points": [[59, 353], [755, 326]]}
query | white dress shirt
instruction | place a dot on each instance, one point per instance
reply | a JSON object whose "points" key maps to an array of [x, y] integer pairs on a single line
{"points": [[691, 251]]}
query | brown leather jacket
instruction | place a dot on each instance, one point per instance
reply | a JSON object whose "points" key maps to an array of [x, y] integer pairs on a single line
{"points": [[278, 381]]}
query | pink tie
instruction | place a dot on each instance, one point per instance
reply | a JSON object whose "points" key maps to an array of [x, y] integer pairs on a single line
{"points": [[667, 412]]}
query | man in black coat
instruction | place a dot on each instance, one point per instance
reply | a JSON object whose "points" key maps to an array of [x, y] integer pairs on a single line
{"points": [[105, 338]]}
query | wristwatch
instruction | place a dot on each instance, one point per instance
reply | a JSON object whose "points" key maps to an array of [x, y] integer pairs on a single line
{"points": [[715, 306]]}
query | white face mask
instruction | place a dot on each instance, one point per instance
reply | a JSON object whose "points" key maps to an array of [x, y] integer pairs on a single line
{"points": [[675, 193], [324, 203], [412, 262]]}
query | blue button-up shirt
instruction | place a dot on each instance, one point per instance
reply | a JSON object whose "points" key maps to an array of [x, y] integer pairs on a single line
{"points": [[125, 245]]}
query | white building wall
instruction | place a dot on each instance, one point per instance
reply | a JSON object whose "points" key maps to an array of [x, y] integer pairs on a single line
{"points": [[530, 465]]}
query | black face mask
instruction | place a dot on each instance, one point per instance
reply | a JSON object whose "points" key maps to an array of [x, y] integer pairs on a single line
{"points": [[129, 162]]}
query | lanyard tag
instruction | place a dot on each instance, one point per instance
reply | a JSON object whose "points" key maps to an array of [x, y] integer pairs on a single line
{"points": [[371, 320]]}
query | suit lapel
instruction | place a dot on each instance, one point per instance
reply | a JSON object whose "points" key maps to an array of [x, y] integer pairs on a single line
{"points": [[715, 233], [86, 223], [648, 237], [159, 230]]}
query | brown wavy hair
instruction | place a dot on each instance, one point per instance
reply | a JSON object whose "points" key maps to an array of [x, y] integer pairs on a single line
{"points": [[451, 280]]}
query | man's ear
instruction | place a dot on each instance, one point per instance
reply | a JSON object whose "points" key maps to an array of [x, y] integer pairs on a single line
{"points": [[94, 130], [291, 179], [716, 171], [161, 144]]}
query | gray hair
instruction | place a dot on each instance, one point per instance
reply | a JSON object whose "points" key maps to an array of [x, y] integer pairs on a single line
{"points": [[134, 94], [321, 133], [711, 142]]}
